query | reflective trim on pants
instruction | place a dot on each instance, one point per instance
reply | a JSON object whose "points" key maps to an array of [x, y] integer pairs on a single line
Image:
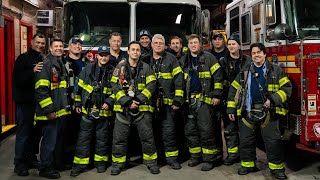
{"points": [[276, 166], [172, 153], [78, 160], [119, 160], [247, 164]]}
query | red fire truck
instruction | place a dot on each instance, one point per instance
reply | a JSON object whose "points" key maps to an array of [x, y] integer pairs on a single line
{"points": [[290, 29]]}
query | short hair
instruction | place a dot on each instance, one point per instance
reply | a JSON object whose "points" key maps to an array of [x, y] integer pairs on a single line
{"points": [[134, 42], [38, 34], [158, 36], [260, 46], [115, 34], [192, 36], [175, 37], [56, 39]]}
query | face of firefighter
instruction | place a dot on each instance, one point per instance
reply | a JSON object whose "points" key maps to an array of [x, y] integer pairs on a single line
{"points": [[75, 48], [233, 46], [157, 46], [258, 56], [115, 43], [56, 49], [134, 52], [103, 59], [145, 41], [38, 44], [218, 43], [175, 45], [194, 45]]}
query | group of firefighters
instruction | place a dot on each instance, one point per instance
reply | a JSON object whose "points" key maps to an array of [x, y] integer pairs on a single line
{"points": [[94, 105]]}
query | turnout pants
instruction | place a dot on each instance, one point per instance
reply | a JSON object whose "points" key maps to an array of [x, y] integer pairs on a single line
{"points": [[272, 139], [231, 133], [90, 128], [121, 133], [201, 131]]}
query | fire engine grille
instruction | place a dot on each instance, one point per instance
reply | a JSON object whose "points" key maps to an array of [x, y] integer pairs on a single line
{"points": [[295, 124]]}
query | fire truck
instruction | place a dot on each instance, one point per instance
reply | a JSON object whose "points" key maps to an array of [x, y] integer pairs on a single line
{"points": [[290, 29], [94, 20]]}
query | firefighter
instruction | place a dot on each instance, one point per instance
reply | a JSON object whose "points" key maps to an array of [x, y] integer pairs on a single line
{"points": [[234, 61], [204, 88], [133, 83], [116, 54], [95, 101], [219, 48], [25, 68], [145, 41], [170, 92], [176, 47], [52, 105], [259, 95]]}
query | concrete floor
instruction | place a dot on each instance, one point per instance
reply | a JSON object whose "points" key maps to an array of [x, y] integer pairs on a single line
{"points": [[305, 166]]}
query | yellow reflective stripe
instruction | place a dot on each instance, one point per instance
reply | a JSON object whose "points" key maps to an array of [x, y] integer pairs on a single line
{"points": [[150, 78], [141, 86], [167, 101], [172, 153], [231, 104], [247, 164], [179, 93], [77, 98], [119, 95], [238, 112], [146, 108], [197, 96], [100, 158], [84, 86], [78, 160], [218, 86], [107, 90], [233, 150], [281, 111], [105, 113], [62, 84], [205, 74], [46, 102], [114, 79], [283, 95], [119, 160], [117, 108], [206, 100], [186, 75], [214, 68], [283, 81], [176, 70], [147, 93], [83, 110], [150, 157], [59, 113], [276, 166], [210, 151], [195, 150], [273, 87], [42, 82], [235, 84], [165, 75]]}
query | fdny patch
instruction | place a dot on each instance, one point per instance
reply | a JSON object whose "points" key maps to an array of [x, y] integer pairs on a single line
{"points": [[116, 72]]}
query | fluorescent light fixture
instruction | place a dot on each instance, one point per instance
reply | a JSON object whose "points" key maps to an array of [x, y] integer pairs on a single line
{"points": [[178, 20]]}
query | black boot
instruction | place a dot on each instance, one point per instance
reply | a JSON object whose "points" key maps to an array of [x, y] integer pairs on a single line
{"points": [[49, 173], [246, 170], [175, 165], [231, 159], [154, 169], [116, 169], [279, 173], [194, 162], [21, 170], [207, 166], [101, 169], [76, 171]]}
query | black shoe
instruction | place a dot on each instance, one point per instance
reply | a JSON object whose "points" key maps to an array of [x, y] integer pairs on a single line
{"points": [[194, 162], [279, 173], [49, 173], [246, 170], [116, 170], [101, 169], [207, 166], [231, 159], [21, 171], [76, 171], [154, 169], [175, 165]]}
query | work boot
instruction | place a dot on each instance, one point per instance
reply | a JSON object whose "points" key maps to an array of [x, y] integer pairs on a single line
{"points": [[116, 169], [207, 166], [231, 159], [33, 164], [49, 173], [21, 170], [101, 169], [279, 173], [246, 170], [154, 169], [175, 165], [194, 162], [76, 171]]}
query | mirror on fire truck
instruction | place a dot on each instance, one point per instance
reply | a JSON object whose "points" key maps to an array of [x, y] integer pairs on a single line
{"points": [[282, 32]]}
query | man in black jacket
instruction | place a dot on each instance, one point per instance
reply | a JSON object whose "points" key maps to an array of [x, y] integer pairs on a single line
{"points": [[25, 67]]}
